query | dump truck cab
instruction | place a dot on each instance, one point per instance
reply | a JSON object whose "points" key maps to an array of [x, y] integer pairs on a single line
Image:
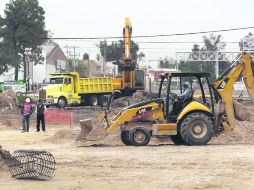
{"points": [[62, 90]]}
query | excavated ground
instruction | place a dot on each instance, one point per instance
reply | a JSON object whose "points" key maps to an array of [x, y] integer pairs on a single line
{"points": [[226, 163]]}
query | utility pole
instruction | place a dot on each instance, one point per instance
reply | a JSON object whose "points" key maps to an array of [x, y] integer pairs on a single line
{"points": [[216, 64], [74, 48], [72, 54], [105, 56]]}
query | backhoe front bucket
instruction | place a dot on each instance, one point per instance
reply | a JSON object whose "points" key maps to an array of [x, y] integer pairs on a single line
{"points": [[90, 133]]}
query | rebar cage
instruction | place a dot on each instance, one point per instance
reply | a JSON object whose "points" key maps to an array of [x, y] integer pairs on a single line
{"points": [[32, 164]]}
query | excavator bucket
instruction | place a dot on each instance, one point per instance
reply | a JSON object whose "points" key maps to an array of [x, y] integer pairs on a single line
{"points": [[241, 112], [91, 132], [86, 127]]}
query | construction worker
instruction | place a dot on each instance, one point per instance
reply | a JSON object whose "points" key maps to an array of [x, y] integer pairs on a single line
{"points": [[186, 90], [26, 111], [182, 98], [40, 116]]}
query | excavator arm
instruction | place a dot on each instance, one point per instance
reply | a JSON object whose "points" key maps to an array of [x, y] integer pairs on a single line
{"points": [[132, 78], [224, 86]]}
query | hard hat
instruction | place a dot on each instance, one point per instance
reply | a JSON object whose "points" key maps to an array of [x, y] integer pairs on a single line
{"points": [[187, 83], [27, 100]]}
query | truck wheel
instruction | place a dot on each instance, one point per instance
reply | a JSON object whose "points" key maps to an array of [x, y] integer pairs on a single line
{"points": [[83, 102], [103, 101], [177, 139], [125, 138], [140, 136], [62, 102], [93, 100], [197, 129]]}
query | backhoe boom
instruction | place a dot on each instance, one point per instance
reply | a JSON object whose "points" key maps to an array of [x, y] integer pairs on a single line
{"points": [[224, 86]]}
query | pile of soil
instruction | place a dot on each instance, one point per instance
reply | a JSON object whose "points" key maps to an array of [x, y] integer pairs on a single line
{"points": [[125, 101], [63, 135], [5, 159], [7, 98], [242, 134]]}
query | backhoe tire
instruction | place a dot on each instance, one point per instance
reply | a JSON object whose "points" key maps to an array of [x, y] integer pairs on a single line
{"points": [[125, 138], [62, 102], [93, 100], [196, 129], [177, 139], [139, 136]]}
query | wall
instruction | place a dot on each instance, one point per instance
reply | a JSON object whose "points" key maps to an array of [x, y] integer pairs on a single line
{"points": [[53, 57], [39, 71]]}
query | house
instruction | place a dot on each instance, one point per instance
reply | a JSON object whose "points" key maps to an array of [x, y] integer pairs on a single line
{"points": [[55, 61]]}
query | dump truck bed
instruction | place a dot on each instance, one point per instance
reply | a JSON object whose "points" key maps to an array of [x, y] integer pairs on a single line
{"points": [[95, 85]]}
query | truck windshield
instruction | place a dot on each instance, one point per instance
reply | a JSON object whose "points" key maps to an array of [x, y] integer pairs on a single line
{"points": [[56, 81]]}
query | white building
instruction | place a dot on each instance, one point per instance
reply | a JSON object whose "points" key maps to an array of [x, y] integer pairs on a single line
{"points": [[54, 60]]}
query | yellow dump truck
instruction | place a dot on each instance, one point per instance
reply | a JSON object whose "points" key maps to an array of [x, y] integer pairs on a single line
{"points": [[69, 89]]}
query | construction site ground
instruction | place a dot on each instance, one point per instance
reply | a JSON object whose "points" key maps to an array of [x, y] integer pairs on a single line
{"points": [[226, 163]]}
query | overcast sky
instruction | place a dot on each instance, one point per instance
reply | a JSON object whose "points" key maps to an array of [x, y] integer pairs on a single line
{"points": [[99, 18]]}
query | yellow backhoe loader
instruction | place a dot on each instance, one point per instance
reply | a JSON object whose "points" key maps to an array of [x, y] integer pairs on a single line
{"points": [[192, 120]]}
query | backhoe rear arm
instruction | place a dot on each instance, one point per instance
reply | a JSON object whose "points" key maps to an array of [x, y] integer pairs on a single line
{"points": [[224, 86]]}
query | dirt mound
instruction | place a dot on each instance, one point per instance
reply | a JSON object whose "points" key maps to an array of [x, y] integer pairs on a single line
{"points": [[63, 135], [241, 112], [243, 134], [121, 102], [125, 101], [7, 98], [11, 118], [5, 159]]}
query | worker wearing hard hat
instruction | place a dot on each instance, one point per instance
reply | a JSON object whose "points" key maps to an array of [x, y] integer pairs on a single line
{"points": [[186, 90], [26, 111]]}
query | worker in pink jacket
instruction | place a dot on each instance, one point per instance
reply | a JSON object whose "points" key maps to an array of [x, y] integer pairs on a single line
{"points": [[26, 111]]}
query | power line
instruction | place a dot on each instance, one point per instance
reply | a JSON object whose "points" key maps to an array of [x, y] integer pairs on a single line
{"points": [[193, 33], [183, 42], [142, 36], [162, 42]]}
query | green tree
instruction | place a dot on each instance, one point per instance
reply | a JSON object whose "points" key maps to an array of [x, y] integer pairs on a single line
{"points": [[243, 44], [141, 56], [23, 33], [81, 66], [212, 43], [167, 63], [5, 60], [115, 51], [164, 63]]}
